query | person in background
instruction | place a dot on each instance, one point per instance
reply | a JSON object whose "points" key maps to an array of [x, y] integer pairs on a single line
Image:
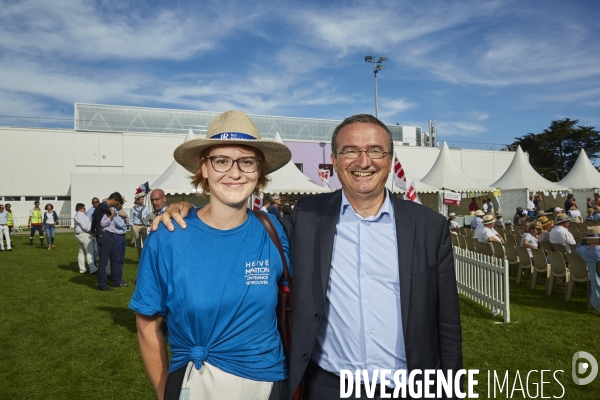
{"points": [[531, 209], [547, 225], [570, 202], [589, 203], [89, 213], [536, 202], [477, 220], [529, 239], [137, 215], [485, 232], [50, 222], [473, 205], [490, 205], [10, 221], [121, 221], [575, 215], [286, 209], [35, 223], [590, 214], [159, 205], [82, 234], [274, 207], [589, 251], [520, 217], [103, 227], [4, 232], [266, 204], [454, 226], [560, 233], [596, 215], [499, 222]]}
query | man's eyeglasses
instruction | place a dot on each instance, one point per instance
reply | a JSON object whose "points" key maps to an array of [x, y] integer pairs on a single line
{"points": [[374, 154], [224, 163]]}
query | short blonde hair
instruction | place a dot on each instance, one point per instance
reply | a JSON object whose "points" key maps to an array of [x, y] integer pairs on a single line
{"points": [[198, 180]]}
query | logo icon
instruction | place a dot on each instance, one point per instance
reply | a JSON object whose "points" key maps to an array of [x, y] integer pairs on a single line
{"points": [[582, 367]]}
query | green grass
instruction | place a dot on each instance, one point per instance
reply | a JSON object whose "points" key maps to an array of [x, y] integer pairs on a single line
{"points": [[61, 338]]}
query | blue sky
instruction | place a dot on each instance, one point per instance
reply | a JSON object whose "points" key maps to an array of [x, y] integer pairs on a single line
{"points": [[487, 71]]}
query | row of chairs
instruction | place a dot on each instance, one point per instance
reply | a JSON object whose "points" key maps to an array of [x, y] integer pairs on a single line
{"points": [[547, 261]]}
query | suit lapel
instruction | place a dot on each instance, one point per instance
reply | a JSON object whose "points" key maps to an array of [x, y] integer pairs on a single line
{"points": [[405, 234], [326, 238]]}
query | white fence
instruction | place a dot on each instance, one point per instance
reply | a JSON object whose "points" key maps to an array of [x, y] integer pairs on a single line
{"points": [[483, 279]]}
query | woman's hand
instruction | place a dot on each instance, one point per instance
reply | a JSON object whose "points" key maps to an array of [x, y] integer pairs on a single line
{"points": [[177, 212]]}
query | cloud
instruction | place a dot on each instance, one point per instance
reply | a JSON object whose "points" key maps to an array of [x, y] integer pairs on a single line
{"points": [[459, 128], [83, 30], [389, 108]]}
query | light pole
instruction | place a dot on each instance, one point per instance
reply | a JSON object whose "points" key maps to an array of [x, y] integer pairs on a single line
{"points": [[376, 68]]}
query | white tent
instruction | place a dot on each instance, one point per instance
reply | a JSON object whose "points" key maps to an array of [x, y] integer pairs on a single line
{"points": [[446, 174], [583, 178], [176, 183], [520, 181], [289, 179]]}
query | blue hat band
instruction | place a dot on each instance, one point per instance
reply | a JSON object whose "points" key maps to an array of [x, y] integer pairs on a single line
{"points": [[233, 135], [593, 235]]}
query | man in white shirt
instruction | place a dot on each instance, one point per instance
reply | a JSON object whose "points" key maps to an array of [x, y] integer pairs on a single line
{"points": [[137, 215], [84, 240], [531, 208], [560, 233], [4, 232], [485, 231]]}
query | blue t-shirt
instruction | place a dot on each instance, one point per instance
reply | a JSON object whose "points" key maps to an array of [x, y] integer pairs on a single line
{"points": [[218, 290]]}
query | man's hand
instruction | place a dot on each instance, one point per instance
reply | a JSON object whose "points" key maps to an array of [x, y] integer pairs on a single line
{"points": [[177, 212]]}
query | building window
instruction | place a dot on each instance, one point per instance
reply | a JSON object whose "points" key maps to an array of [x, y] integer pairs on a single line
{"points": [[12, 198], [32, 198], [63, 198]]}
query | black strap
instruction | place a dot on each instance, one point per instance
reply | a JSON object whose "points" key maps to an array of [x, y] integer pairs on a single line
{"points": [[272, 231]]}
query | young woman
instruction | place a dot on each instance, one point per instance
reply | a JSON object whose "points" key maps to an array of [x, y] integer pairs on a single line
{"points": [[215, 282], [50, 220]]}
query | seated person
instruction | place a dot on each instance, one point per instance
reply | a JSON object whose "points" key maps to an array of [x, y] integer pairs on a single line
{"points": [[589, 251], [547, 225], [590, 214], [575, 215], [529, 239], [499, 222], [485, 232], [452, 222], [477, 220], [560, 233]]}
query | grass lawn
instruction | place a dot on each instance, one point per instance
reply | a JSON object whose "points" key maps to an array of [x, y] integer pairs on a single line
{"points": [[61, 338]]}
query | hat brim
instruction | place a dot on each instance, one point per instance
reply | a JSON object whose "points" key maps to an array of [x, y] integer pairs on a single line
{"points": [[588, 238], [276, 154]]}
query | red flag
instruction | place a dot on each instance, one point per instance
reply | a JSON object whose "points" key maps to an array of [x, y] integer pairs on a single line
{"points": [[411, 193], [399, 175], [256, 203]]}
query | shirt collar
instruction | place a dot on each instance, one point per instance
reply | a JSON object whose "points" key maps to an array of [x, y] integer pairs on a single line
{"points": [[386, 208]]}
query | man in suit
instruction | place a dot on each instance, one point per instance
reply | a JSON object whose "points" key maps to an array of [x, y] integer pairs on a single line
{"points": [[373, 275]]}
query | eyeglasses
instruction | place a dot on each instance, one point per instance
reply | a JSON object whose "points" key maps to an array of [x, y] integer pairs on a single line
{"points": [[374, 154], [535, 227], [224, 164]]}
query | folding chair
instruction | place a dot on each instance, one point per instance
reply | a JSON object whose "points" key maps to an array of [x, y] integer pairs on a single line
{"points": [[578, 273], [573, 248], [499, 251], [540, 265], [470, 243], [511, 256], [454, 239], [462, 242], [547, 246], [510, 239], [485, 248], [558, 269], [524, 263]]}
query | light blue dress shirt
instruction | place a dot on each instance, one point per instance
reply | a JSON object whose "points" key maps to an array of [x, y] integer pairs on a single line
{"points": [[90, 212], [362, 324], [120, 224], [134, 215]]}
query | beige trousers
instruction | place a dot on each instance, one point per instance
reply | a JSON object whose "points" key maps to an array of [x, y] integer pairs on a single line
{"points": [[139, 234]]}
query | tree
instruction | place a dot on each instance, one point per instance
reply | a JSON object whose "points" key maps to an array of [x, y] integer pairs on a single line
{"points": [[553, 152]]}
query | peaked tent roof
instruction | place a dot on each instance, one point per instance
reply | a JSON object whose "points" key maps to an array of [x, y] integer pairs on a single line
{"points": [[446, 174], [176, 179], [521, 175], [289, 179], [583, 175]]}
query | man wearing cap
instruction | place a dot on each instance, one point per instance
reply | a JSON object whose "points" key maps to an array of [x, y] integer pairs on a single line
{"points": [[137, 215], [477, 220], [589, 251], [485, 232], [560, 233], [103, 227]]}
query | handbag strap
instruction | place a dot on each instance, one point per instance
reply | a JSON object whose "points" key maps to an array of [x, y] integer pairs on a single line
{"points": [[272, 231]]}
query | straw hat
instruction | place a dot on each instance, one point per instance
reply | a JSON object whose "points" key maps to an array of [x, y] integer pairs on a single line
{"points": [[479, 213], [232, 128], [498, 214], [137, 196], [488, 219], [593, 233], [544, 220], [562, 218], [451, 215], [596, 209]]}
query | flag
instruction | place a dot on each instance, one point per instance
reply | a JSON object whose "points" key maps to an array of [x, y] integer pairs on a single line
{"points": [[324, 175], [410, 192], [144, 188], [399, 175], [256, 203]]}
